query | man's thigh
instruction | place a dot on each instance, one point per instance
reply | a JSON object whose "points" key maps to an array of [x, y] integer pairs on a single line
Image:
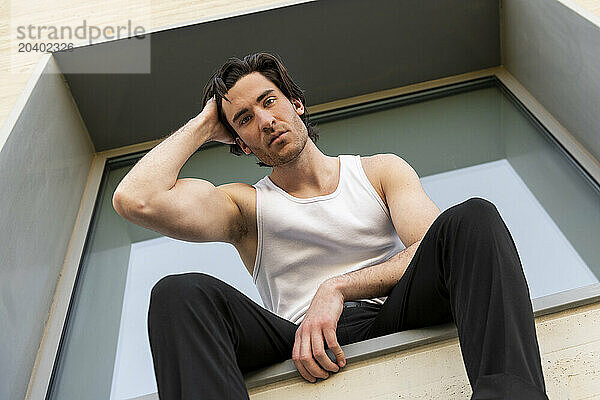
{"points": [[265, 338], [215, 318], [419, 298]]}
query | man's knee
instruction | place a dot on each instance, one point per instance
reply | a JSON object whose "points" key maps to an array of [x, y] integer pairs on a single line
{"points": [[476, 210], [180, 288], [476, 225]]}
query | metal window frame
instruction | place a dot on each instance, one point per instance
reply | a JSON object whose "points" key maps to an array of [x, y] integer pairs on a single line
{"points": [[47, 356]]}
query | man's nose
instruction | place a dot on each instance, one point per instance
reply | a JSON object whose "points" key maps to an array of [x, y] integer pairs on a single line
{"points": [[266, 121]]}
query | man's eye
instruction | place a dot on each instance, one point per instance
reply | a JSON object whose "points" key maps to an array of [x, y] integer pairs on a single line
{"points": [[243, 119], [271, 98]]}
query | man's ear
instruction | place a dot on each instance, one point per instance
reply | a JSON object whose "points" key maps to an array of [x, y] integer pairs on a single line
{"points": [[298, 106], [243, 145]]}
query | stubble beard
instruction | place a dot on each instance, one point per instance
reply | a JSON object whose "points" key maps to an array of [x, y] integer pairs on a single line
{"points": [[276, 155]]}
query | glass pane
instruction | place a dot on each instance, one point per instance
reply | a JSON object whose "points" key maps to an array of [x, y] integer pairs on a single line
{"points": [[474, 143]]}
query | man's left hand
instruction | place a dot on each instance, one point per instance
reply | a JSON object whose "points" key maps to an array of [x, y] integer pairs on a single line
{"points": [[320, 322]]}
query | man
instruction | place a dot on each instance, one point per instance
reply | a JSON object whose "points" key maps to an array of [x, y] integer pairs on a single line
{"points": [[324, 239]]}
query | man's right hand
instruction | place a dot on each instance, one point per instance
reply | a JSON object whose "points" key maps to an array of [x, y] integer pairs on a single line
{"points": [[218, 132]]}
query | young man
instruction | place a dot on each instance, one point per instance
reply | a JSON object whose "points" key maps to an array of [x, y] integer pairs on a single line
{"points": [[342, 249]]}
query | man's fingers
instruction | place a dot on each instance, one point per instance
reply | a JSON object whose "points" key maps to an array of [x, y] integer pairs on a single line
{"points": [[298, 363], [318, 350], [307, 359], [334, 346], [304, 372]]}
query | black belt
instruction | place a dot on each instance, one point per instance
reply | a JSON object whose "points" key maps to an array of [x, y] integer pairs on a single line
{"points": [[350, 304]]}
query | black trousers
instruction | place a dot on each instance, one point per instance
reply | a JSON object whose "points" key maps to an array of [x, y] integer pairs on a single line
{"points": [[205, 334]]}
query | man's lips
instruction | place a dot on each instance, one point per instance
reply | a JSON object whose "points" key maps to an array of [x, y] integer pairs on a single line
{"points": [[275, 137]]}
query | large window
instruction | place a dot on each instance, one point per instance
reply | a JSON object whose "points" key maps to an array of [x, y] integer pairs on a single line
{"points": [[465, 140]]}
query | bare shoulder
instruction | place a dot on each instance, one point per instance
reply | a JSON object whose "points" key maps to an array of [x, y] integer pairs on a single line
{"points": [[384, 160], [379, 168], [386, 164]]}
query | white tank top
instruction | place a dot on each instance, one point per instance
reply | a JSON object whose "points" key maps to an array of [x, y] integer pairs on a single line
{"points": [[303, 242]]}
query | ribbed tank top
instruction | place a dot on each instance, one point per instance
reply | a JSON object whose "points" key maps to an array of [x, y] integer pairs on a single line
{"points": [[303, 242]]}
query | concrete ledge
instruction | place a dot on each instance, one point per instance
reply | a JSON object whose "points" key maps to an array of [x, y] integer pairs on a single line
{"points": [[418, 337], [359, 351]]}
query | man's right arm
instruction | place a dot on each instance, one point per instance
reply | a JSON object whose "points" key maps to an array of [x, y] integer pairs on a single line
{"points": [[190, 209]]}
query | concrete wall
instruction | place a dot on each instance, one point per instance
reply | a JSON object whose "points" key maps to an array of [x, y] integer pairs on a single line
{"points": [[569, 345], [44, 165], [554, 52]]}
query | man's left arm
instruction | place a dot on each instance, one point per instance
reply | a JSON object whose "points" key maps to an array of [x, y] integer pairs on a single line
{"points": [[412, 213]]}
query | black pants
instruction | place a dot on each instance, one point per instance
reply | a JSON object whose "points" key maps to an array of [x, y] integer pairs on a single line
{"points": [[205, 334]]}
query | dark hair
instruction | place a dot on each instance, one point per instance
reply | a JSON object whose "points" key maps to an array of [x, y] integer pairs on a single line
{"points": [[271, 68]]}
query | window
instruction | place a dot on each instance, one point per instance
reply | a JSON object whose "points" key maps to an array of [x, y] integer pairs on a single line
{"points": [[464, 140]]}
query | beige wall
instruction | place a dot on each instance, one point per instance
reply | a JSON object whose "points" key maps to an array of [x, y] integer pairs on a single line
{"points": [[591, 5], [569, 345]]}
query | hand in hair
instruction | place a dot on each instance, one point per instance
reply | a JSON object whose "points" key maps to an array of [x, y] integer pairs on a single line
{"points": [[218, 132]]}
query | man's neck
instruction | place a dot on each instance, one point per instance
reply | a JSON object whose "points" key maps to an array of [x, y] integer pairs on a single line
{"points": [[310, 174]]}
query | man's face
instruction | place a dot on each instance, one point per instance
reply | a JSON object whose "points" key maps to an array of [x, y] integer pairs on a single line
{"points": [[259, 112]]}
